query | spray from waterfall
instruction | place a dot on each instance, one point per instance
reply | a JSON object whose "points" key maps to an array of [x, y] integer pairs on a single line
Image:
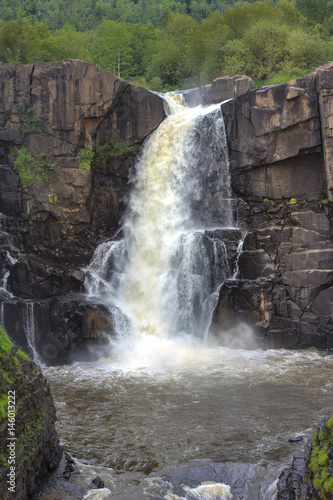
{"points": [[163, 278]]}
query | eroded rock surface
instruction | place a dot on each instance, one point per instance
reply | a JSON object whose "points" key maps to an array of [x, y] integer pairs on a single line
{"points": [[280, 167]]}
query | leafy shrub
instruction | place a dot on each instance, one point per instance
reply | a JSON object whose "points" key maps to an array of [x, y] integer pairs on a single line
{"points": [[114, 149], [30, 122], [87, 155], [30, 168]]}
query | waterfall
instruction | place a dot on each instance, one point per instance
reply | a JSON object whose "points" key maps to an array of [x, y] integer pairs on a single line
{"points": [[29, 328], [164, 277], [6, 261], [2, 314]]}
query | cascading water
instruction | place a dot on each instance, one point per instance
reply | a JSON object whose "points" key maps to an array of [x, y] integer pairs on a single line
{"points": [[7, 260], [166, 273]]}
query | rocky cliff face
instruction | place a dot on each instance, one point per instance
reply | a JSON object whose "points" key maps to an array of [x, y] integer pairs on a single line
{"points": [[69, 135], [280, 154], [53, 117], [56, 112], [222, 89], [29, 447], [78, 129]]}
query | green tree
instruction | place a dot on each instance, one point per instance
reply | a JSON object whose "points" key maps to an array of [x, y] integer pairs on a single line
{"points": [[316, 10], [206, 47], [20, 40], [269, 48], [67, 43], [112, 48], [167, 64]]}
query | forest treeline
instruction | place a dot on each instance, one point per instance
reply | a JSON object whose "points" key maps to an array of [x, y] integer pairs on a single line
{"points": [[168, 44]]}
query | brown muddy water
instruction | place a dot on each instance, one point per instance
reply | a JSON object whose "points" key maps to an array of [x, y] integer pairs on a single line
{"points": [[169, 406]]}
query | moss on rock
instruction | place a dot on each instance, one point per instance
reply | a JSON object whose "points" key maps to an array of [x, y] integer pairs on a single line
{"points": [[320, 462], [31, 423]]}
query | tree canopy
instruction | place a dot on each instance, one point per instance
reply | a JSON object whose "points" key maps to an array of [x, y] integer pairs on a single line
{"points": [[168, 44]]}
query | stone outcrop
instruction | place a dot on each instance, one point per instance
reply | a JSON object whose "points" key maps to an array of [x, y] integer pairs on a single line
{"points": [[280, 167], [222, 89], [55, 111], [324, 80], [35, 452]]}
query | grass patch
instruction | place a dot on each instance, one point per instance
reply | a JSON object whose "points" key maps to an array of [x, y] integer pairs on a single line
{"points": [[282, 76], [5, 343], [292, 201], [267, 199]]}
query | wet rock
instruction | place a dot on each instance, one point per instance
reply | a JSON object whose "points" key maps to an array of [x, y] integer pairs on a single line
{"points": [[59, 485], [277, 158], [296, 439], [247, 481], [97, 483], [10, 193], [291, 481]]}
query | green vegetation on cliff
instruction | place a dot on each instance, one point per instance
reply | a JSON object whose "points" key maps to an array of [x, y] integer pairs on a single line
{"points": [[30, 122], [320, 466], [31, 168], [164, 44], [10, 367], [86, 156], [27, 416], [114, 149]]}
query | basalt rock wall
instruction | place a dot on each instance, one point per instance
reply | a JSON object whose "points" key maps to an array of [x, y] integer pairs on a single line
{"points": [[58, 114], [280, 141]]}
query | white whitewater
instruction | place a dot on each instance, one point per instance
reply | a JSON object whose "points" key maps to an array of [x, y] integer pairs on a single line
{"points": [[166, 273]]}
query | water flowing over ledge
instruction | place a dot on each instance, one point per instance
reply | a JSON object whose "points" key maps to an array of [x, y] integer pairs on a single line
{"points": [[162, 279]]}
